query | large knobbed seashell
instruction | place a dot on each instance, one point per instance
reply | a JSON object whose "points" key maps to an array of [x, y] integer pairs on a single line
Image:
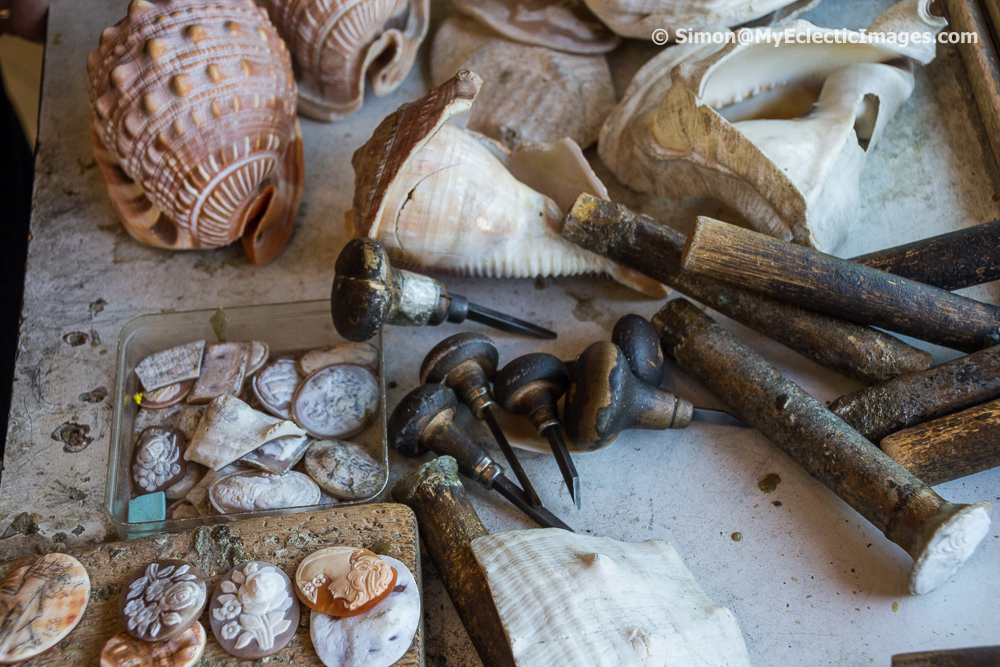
{"points": [[641, 18], [194, 125], [439, 198], [779, 134], [338, 43], [530, 92]]}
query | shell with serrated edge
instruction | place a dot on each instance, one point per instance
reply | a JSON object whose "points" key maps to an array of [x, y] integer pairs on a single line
{"points": [[337, 44], [193, 125]]}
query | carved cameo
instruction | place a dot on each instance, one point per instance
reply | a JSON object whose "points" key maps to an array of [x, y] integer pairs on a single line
{"points": [[343, 581], [275, 385], [257, 491], [162, 601], [278, 456], [253, 610], [376, 638], [336, 402], [344, 469], [40, 604], [184, 650], [222, 372], [157, 459]]}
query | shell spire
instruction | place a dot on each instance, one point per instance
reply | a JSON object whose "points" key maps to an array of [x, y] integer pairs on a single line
{"points": [[194, 126]]}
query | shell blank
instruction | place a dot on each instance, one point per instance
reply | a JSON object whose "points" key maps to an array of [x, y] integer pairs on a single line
{"points": [[194, 125], [568, 599], [530, 93], [338, 43]]}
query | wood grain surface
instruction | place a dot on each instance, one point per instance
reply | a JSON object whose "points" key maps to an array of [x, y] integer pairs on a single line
{"points": [[839, 287], [979, 656], [908, 400], [653, 249], [960, 444], [282, 540], [950, 261]]}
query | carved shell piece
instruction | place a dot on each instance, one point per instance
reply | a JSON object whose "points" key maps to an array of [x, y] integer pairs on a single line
{"points": [[378, 638], [360, 354], [260, 491], [530, 92], [639, 18], [184, 650], [778, 134], [338, 43], [162, 600], [278, 455], [231, 429], [568, 599], [168, 367], [253, 611], [194, 125], [41, 603], [425, 189], [343, 581], [564, 25]]}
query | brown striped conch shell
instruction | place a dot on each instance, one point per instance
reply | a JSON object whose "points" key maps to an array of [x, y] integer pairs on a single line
{"points": [[337, 44], [530, 92], [640, 18], [194, 125], [778, 134], [440, 198]]}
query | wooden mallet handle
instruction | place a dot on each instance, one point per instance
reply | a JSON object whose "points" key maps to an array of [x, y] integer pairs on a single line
{"points": [[939, 535]]}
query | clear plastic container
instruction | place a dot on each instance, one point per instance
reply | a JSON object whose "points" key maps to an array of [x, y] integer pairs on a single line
{"points": [[286, 328]]}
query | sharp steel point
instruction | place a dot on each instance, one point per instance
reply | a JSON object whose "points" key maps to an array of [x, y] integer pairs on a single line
{"points": [[507, 323], [515, 464], [543, 517], [565, 461]]}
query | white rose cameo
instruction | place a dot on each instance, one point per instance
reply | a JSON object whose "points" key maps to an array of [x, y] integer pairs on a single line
{"points": [[253, 606], [163, 601]]}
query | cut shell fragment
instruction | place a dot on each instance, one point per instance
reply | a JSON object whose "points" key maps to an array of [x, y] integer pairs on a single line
{"points": [[171, 366]]}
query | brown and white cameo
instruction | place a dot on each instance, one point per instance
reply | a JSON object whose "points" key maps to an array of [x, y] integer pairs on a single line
{"points": [[157, 459], [343, 469], [343, 581], [377, 638], [253, 611], [336, 402], [278, 456], [184, 650], [257, 491], [40, 604], [257, 357], [275, 385], [222, 372], [164, 397], [162, 600], [171, 366], [359, 354]]}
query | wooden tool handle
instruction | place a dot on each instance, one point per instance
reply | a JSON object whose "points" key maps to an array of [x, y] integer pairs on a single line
{"points": [[448, 524], [839, 287], [879, 410], [950, 261], [904, 508], [643, 244], [979, 656], [960, 444]]}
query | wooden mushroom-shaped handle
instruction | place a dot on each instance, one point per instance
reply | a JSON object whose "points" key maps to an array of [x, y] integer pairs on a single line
{"points": [[606, 398], [639, 342], [369, 292], [465, 362], [531, 385]]}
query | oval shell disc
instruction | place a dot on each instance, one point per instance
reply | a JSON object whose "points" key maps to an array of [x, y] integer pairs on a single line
{"points": [[259, 352], [184, 650], [164, 397], [359, 354], [162, 600], [344, 469], [275, 385], [40, 604], [254, 612], [258, 491], [158, 459], [336, 402], [343, 581]]}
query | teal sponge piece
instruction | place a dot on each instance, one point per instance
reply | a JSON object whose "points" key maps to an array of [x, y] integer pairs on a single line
{"points": [[150, 507]]}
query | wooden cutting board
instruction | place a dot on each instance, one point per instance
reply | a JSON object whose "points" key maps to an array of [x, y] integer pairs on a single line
{"points": [[283, 541]]}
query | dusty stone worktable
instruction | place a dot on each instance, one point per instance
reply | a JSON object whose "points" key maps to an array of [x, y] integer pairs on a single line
{"points": [[810, 582]]}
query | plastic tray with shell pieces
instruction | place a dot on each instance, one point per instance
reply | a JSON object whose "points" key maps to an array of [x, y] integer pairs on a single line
{"points": [[289, 331]]}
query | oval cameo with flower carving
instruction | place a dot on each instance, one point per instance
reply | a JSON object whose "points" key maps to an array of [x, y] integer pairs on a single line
{"points": [[343, 581], [253, 610], [162, 600]]}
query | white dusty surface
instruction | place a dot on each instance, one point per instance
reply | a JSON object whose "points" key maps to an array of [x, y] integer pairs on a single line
{"points": [[811, 582]]}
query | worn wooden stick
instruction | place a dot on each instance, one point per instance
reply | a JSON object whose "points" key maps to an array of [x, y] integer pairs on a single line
{"points": [[839, 287], [981, 64], [960, 444], [950, 261], [448, 524], [641, 243], [939, 535], [881, 409], [979, 656]]}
